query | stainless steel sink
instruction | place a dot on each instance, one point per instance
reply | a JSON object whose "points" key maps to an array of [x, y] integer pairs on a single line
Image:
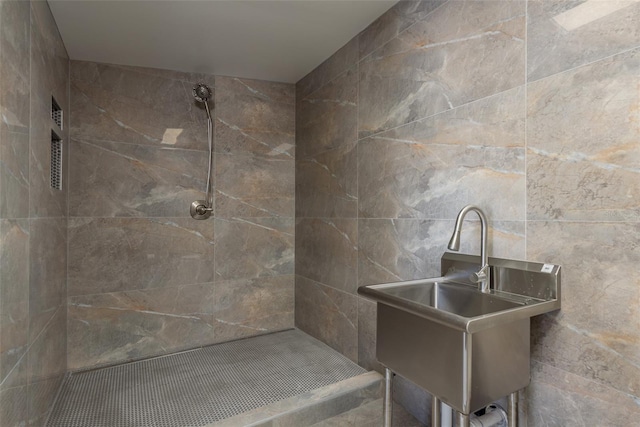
{"points": [[462, 300], [467, 347]]}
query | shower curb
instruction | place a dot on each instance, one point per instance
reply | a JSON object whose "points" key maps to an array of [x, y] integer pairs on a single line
{"points": [[313, 406]]}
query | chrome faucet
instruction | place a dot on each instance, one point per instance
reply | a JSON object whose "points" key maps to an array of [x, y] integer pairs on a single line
{"points": [[482, 277]]}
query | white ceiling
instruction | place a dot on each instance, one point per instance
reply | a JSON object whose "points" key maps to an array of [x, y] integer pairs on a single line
{"points": [[261, 39]]}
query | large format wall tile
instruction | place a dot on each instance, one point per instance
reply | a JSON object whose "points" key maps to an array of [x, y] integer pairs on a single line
{"points": [[115, 179], [252, 186], [392, 250], [433, 167], [326, 185], [558, 398], [327, 251], [597, 333], [255, 117], [116, 327], [446, 119], [461, 52], [345, 58], [14, 173], [137, 105], [47, 365], [248, 248], [49, 77], [14, 109], [397, 19], [14, 300], [495, 121], [329, 315], [367, 329], [48, 353], [587, 171], [415, 180], [33, 244], [243, 308], [33, 67], [327, 118], [14, 65], [47, 271], [118, 254], [564, 34], [140, 150], [49, 64]]}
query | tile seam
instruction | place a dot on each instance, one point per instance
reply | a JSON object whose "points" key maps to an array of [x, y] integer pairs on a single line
{"points": [[382, 44], [443, 112], [327, 286], [587, 64], [98, 141], [156, 288]]}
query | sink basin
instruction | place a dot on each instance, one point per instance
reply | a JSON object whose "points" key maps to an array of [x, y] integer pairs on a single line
{"points": [[521, 290], [466, 347], [461, 300]]}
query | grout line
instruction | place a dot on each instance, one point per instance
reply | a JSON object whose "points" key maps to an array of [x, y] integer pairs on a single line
{"points": [[442, 112], [526, 121], [333, 80], [347, 68], [214, 216], [165, 218], [314, 156], [537, 220], [97, 141], [357, 323], [328, 218], [590, 379], [324, 285], [586, 64], [27, 354], [157, 288], [381, 45], [69, 189]]}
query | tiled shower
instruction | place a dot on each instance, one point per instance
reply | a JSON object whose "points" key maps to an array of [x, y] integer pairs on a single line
{"points": [[144, 277], [352, 176]]}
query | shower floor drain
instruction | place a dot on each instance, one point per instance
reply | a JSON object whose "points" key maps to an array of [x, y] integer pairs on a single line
{"points": [[202, 386]]}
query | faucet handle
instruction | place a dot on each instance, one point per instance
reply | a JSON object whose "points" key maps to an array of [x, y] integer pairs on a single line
{"points": [[480, 275]]}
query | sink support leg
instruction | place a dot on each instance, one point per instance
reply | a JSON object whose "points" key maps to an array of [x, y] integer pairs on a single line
{"points": [[463, 420], [388, 397], [436, 415], [512, 412]]}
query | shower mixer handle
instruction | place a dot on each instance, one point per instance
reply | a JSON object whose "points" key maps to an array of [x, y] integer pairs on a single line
{"points": [[200, 210]]}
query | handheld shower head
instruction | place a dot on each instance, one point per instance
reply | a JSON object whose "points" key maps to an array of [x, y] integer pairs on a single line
{"points": [[201, 92], [201, 209]]}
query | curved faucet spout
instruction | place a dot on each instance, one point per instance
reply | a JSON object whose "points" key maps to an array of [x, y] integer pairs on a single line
{"points": [[482, 276]]}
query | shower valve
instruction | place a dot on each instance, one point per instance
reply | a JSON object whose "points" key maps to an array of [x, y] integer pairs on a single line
{"points": [[199, 210]]}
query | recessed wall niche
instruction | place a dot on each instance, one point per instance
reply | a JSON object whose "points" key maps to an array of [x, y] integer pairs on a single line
{"points": [[56, 161]]}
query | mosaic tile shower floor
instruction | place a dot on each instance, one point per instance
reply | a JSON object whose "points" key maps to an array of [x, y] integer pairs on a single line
{"points": [[201, 386]]}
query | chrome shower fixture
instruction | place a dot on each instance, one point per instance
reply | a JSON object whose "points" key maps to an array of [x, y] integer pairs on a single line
{"points": [[202, 209], [201, 92]]}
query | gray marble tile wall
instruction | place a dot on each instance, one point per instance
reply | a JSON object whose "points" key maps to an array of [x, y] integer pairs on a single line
{"points": [[34, 66], [529, 109], [144, 277], [254, 198]]}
